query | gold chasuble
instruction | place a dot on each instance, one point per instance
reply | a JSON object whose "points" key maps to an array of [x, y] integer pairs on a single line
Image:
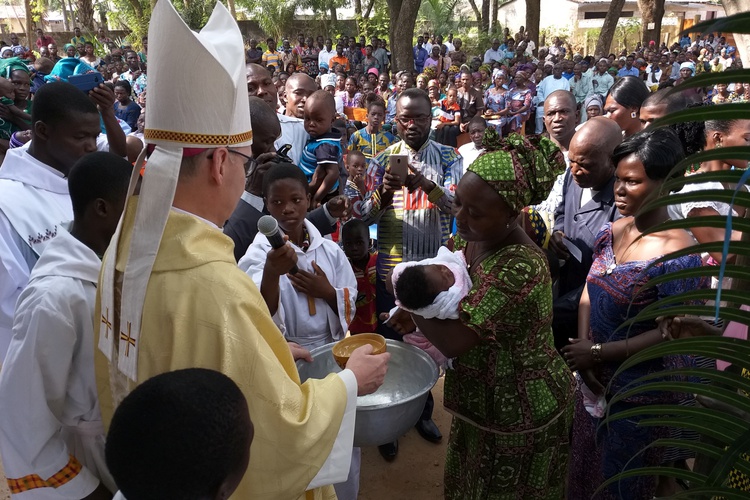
{"points": [[171, 296], [201, 311]]}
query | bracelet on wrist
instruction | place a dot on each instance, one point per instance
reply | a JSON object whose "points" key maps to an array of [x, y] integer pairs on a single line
{"points": [[596, 353], [436, 193]]}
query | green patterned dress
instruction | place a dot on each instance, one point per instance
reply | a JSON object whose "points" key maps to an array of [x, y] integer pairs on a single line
{"points": [[512, 395]]}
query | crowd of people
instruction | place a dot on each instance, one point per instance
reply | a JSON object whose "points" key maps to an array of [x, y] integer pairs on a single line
{"points": [[510, 249]]}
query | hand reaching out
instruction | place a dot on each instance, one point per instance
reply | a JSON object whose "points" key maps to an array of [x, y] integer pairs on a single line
{"points": [[339, 207]]}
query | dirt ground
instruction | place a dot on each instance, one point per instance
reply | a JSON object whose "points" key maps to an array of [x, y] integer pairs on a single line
{"points": [[416, 474]]}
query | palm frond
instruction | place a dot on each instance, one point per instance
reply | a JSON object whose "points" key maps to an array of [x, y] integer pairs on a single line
{"points": [[732, 111], [711, 79], [728, 462], [728, 349], [728, 176], [731, 271], [737, 23], [683, 474], [726, 313]]}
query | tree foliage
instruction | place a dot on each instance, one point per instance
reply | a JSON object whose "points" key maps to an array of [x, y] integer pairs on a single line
{"points": [[133, 15]]}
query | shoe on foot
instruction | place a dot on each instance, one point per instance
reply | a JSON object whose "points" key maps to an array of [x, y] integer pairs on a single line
{"points": [[389, 451], [429, 431]]}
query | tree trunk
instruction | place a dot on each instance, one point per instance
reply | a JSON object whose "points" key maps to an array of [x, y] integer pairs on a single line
{"points": [[484, 25], [65, 14], [533, 13], [477, 13], [493, 21], [608, 29], [368, 10], [232, 9], [741, 40], [652, 12], [73, 22], [403, 19], [358, 16], [334, 19], [29, 36], [85, 14]]}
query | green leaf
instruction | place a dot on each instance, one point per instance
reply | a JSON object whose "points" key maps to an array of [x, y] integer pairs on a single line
{"points": [[731, 271], [735, 351], [731, 111], [711, 79], [720, 221], [710, 492], [683, 474], [700, 448], [735, 247], [726, 313], [736, 23], [728, 176], [727, 462], [667, 306], [717, 425], [717, 195], [721, 379]]}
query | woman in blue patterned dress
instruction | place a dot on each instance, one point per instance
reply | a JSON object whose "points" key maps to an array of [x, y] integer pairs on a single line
{"points": [[518, 100], [495, 108], [623, 263]]}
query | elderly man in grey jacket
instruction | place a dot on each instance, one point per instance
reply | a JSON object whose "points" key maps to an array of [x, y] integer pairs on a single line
{"points": [[587, 205]]}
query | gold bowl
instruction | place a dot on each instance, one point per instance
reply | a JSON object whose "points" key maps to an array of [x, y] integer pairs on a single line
{"points": [[343, 349]]}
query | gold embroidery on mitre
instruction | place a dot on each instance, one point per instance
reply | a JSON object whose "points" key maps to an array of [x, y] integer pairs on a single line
{"points": [[206, 139]]}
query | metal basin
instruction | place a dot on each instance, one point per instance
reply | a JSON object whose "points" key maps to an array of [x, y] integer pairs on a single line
{"points": [[389, 412]]}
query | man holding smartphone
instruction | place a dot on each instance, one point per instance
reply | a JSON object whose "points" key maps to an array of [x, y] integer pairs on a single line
{"points": [[410, 195]]}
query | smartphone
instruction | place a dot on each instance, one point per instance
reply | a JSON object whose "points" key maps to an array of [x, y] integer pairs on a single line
{"points": [[399, 165], [87, 81]]}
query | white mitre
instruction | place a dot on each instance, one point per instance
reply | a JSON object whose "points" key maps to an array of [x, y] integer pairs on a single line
{"points": [[179, 117]]}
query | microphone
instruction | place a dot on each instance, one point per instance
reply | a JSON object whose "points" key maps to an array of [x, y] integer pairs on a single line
{"points": [[269, 227]]}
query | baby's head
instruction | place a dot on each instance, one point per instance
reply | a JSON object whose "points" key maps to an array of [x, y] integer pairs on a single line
{"points": [[419, 286], [7, 89], [320, 111]]}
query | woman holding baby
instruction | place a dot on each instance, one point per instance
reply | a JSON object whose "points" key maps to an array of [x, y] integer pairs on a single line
{"points": [[509, 391]]}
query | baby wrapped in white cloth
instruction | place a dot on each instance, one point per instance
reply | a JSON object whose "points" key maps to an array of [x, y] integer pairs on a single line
{"points": [[431, 288]]}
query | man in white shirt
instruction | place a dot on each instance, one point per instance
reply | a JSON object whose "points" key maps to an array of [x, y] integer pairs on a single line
{"points": [[471, 150], [449, 43], [553, 82], [427, 42], [560, 121], [34, 199], [325, 55], [530, 46], [494, 54], [50, 425]]}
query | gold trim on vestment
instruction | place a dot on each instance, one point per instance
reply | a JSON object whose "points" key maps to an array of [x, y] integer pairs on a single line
{"points": [[205, 139]]}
